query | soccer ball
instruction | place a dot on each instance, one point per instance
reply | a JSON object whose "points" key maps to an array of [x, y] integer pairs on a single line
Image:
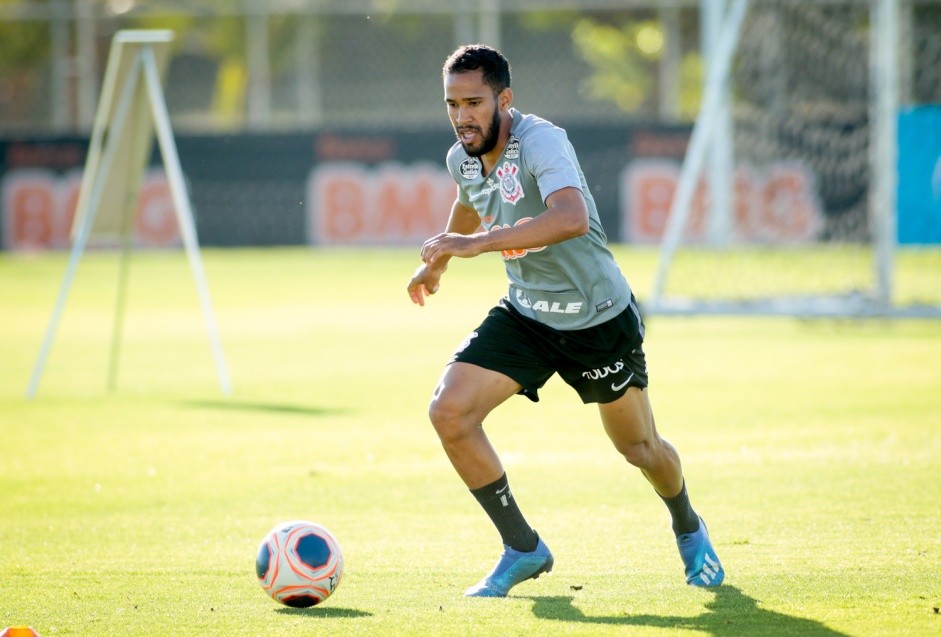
{"points": [[299, 564]]}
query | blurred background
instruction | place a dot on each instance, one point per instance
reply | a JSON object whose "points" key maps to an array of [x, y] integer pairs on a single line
{"points": [[285, 65], [321, 121], [276, 65]]}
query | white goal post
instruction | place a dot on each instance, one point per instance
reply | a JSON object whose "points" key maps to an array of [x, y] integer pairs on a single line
{"points": [[132, 109], [863, 116]]}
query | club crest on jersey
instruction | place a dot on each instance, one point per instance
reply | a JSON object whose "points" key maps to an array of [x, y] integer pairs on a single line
{"points": [[511, 190], [512, 148], [470, 168]]}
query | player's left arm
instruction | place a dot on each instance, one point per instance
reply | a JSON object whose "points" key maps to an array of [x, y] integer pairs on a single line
{"points": [[566, 217]]}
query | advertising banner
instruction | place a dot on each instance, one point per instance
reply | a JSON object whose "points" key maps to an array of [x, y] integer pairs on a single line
{"points": [[39, 187], [919, 201], [356, 188]]}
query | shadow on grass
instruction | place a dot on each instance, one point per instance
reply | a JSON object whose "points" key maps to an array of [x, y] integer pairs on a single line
{"points": [[730, 613], [324, 611], [233, 405]]}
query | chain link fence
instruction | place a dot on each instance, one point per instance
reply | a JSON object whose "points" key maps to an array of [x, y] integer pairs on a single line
{"points": [[276, 65], [269, 66]]}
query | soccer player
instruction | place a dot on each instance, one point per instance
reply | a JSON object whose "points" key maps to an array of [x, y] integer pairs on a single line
{"points": [[569, 310]]}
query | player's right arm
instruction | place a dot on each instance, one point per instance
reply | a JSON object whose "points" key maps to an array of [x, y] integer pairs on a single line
{"points": [[426, 280]]}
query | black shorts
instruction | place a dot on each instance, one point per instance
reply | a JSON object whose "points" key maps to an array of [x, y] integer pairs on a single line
{"points": [[600, 362]]}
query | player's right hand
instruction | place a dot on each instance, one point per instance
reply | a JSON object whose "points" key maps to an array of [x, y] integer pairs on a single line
{"points": [[424, 282]]}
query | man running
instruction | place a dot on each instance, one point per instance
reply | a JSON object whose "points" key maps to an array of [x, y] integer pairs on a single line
{"points": [[569, 310]]}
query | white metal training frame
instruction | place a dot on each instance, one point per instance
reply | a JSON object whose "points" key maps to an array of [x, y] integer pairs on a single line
{"points": [[132, 108]]}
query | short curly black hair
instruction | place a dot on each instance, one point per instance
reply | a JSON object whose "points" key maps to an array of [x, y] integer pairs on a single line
{"points": [[474, 57]]}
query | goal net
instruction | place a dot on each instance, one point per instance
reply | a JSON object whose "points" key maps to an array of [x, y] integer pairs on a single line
{"points": [[786, 202]]}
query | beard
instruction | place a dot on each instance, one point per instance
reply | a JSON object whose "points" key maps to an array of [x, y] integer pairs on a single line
{"points": [[488, 140]]}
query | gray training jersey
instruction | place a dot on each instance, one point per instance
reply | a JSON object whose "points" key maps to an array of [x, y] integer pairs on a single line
{"points": [[570, 285]]}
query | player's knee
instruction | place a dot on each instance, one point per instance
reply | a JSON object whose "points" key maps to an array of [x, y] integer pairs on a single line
{"points": [[643, 454], [636, 453], [640, 454], [450, 418]]}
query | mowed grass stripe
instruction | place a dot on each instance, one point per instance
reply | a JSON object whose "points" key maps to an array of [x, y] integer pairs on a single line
{"points": [[810, 447]]}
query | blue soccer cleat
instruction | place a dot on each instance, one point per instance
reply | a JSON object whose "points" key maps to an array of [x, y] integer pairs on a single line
{"points": [[514, 567], [702, 563]]}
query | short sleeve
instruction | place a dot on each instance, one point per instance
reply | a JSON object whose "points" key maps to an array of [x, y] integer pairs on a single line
{"points": [[453, 168], [550, 158]]}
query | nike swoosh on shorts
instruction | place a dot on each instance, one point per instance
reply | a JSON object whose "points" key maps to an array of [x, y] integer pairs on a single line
{"points": [[622, 385]]}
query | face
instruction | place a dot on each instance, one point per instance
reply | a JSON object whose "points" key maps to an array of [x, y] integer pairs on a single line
{"points": [[474, 111]]}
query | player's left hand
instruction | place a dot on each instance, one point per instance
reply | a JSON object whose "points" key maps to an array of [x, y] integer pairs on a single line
{"points": [[449, 244]]}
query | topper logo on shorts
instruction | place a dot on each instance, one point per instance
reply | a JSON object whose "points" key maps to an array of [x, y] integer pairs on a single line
{"points": [[464, 344], [511, 190], [603, 372]]}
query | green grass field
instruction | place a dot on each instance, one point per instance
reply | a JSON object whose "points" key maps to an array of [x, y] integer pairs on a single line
{"points": [[810, 447]]}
